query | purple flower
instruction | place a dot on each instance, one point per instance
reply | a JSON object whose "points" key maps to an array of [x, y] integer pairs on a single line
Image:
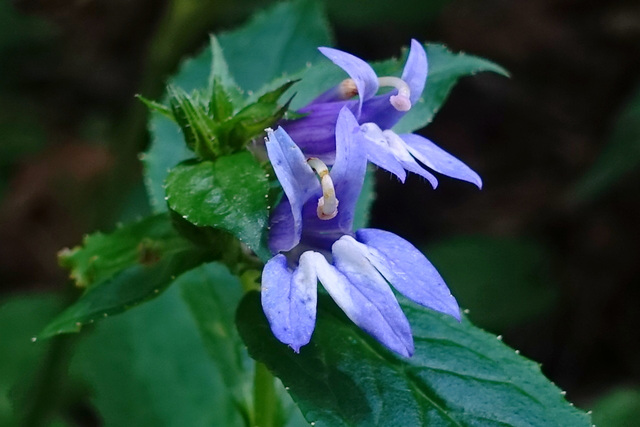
{"points": [[376, 114], [312, 238]]}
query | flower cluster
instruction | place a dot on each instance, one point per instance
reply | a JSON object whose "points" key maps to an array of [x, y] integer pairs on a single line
{"points": [[376, 115], [311, 230]]}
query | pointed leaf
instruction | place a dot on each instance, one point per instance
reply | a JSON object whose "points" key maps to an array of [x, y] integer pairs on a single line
{"points": [[224, 91], [101, 256], [228, 194], [156, 106], [152, 256]]}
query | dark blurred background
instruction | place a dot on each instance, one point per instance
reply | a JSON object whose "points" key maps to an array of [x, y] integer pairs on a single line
{"points": [[547, 254]]}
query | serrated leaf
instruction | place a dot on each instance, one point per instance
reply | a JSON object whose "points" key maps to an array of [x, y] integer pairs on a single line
{"points": [[101, 256], [228, 194], [156, 106], [147, 266], [458, 376], [198, 129], [283, 39]]}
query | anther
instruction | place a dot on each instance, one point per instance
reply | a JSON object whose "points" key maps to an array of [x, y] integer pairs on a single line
{"points": [[401, 101], [347, 89], [328, 203]]}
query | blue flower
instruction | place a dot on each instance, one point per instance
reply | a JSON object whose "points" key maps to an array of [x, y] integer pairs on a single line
{"points": [[376, 114], [313, 241]]}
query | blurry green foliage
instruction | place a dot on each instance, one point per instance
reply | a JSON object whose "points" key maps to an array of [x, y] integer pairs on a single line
{"points": [[504, 282], [148, 367], [619, 158], [23, 362], [619, 408]]}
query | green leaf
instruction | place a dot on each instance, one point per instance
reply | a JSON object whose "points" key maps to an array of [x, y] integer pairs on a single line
{"points": [[156, 106], [101, 256], [167, 150], [504, 282], [148, 367], [619, 158], [212, 293], [618, 408], [251, 121], [147, 264], [283, 39], [225, 93], [198, 128], [459, 374], [228, 194]]}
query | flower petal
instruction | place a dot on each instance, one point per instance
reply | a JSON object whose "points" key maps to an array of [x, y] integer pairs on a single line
{"points": [[362, 74], [401, 152], [407, 269], [282, 230], [297, 179], [415, 70], [365, 296], [289, 299], [379, 152], [439, 160], [349, 169], [315, 133]]}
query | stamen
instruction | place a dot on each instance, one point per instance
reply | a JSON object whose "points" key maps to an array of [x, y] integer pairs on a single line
{"points": [[328, 203], [401, 101], [347, 89]]}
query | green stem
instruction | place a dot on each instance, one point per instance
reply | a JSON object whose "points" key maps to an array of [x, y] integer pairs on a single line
{"points": [[265, 400]]}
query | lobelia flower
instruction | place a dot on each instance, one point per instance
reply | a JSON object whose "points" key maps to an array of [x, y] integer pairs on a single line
{"points": [[377, 114], [312, 238]]}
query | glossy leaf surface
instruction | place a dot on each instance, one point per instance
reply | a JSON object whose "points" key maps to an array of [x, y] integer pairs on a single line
{"points": [[458, 376]]}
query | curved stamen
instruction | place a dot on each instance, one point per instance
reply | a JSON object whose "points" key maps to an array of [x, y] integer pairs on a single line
{"points": [[328, 203], [401, 101]]}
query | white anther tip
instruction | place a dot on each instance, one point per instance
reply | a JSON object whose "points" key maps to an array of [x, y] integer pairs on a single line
{"points": [[400, 102], [326, 216]]}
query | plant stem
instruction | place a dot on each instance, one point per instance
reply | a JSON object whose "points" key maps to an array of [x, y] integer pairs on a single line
{"points": [[265, 400]]}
